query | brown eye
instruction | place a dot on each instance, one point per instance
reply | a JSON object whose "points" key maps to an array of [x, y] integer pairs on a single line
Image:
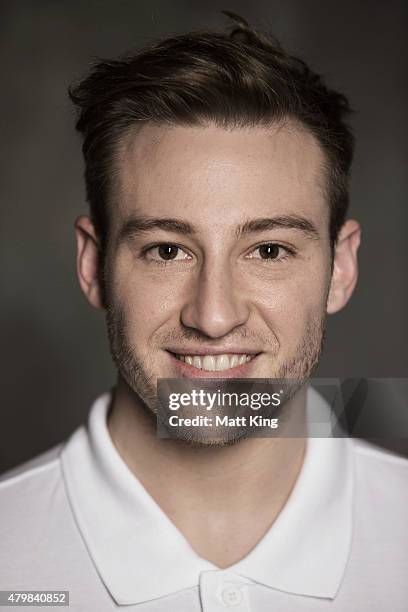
{"points": [[168, 251], [269, 251]]}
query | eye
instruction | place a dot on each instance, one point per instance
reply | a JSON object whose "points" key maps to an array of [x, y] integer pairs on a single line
{"points": [[166, 252], [271, 251]]}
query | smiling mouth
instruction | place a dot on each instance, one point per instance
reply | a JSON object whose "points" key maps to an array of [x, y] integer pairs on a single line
{"points": [[215, 363]]}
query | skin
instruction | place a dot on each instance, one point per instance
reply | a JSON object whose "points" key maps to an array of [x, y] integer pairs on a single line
{"points": [[217, 294]]}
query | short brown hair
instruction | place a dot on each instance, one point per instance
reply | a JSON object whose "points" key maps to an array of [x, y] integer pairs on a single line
{"points": [[238, 78]]}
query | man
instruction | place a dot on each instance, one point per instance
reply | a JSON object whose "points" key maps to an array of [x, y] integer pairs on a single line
{"points": [[217, 176]]}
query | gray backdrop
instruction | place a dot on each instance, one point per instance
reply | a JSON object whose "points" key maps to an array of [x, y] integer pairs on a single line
{"points": [[54, 354]]}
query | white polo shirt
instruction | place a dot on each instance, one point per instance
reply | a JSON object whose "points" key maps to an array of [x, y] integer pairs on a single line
{"points": [[78, 520]]}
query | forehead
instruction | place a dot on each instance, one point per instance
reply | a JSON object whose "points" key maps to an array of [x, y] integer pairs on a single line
{"points": [[199, 172]]}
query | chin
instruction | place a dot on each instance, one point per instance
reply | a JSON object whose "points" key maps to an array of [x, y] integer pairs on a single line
{"points": [[203, 437]]}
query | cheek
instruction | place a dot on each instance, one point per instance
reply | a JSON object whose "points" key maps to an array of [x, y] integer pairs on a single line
{"points": [[148, 300], [289, 303]]}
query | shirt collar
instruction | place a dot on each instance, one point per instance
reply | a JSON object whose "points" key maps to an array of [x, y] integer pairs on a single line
{"points": [[140, 555]]}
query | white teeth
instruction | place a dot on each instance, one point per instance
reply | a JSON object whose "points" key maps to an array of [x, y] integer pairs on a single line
{"points": [[222, 363], [234, 361], [208, 363], [197, 362], [214, 363]]}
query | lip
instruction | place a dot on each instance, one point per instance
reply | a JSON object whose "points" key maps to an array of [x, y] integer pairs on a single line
{"points": [[213, 351], [188, 371]]}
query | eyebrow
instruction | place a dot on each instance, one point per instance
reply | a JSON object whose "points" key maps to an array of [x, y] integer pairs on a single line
{"points": [[139, 224], [136, 225], [296, 222]]}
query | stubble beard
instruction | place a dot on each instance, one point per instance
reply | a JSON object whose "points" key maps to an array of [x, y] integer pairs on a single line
{"points": [[141, 377]]}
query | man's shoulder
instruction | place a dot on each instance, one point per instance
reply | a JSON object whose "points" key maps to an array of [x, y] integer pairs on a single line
{"points": [[382, 475], [29, 486], [40, 544], [31, 468], [376, 457], [33, 518]]}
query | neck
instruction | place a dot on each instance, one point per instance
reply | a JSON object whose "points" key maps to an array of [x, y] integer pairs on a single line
{"points": [[211, 494]]}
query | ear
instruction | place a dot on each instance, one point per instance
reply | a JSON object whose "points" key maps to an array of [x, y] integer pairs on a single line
{"points": [[345, 266], [88, 261]]}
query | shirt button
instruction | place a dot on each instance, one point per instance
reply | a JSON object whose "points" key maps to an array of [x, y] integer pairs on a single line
{"points": [[231, 596]]}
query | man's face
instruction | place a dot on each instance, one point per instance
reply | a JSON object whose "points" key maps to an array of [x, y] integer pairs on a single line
{"points": [[219, 255]]}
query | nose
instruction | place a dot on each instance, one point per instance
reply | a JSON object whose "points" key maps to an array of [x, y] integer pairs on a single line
{"points": [[214, 305]]}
